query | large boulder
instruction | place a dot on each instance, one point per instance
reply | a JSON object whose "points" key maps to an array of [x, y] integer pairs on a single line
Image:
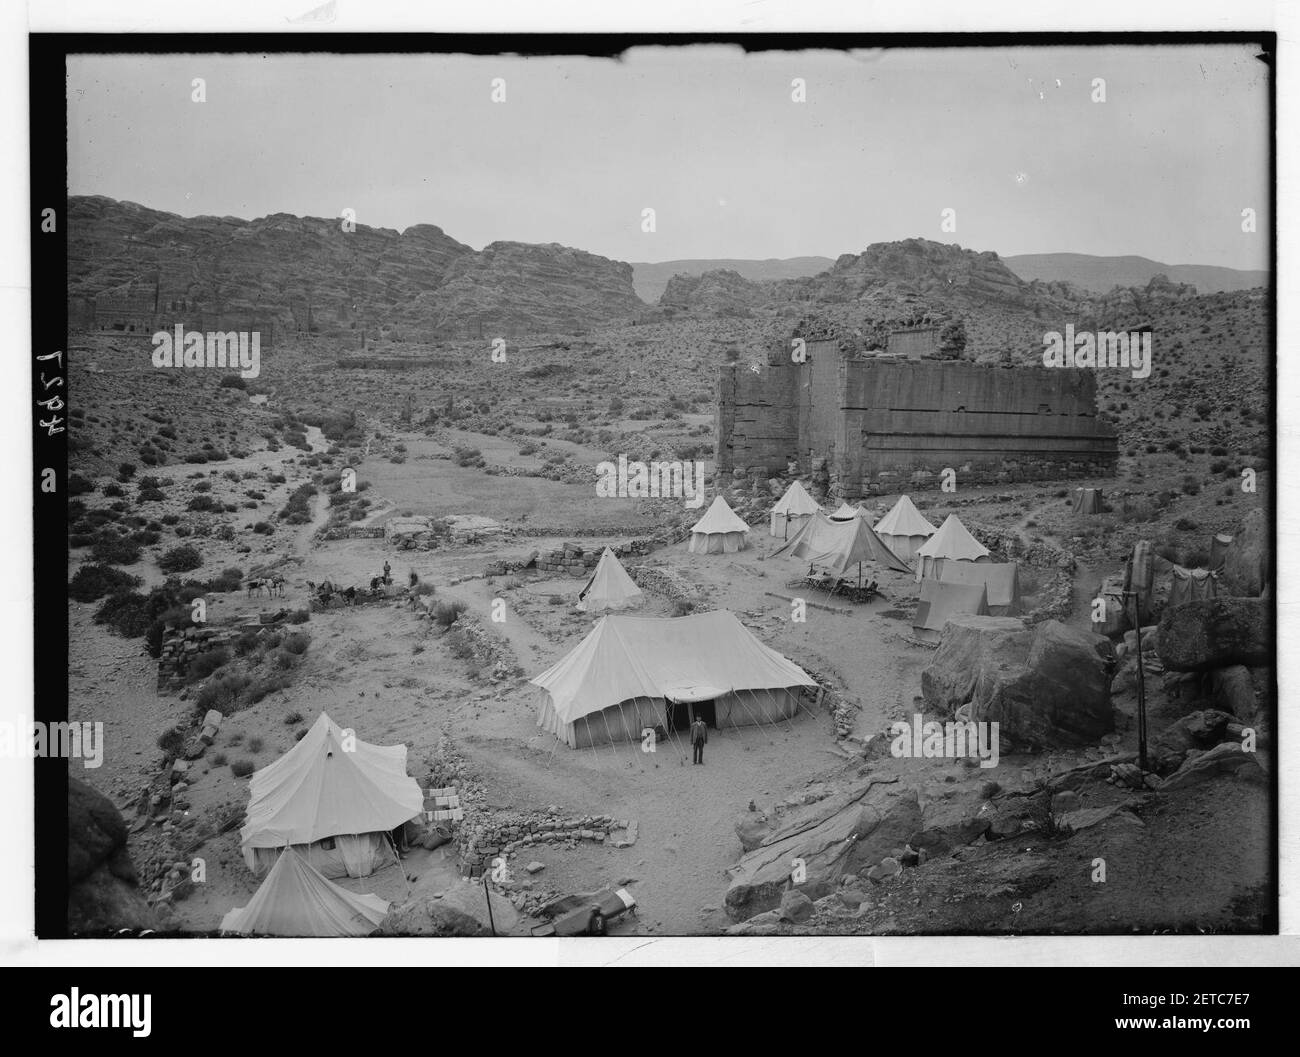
{"points": [[1044, 686], [1233, 690], [968, 645], [1246, 568], [844, 834], [1216, 633], [947, 824], [103, 888], [459, 911], [1225, 758]]}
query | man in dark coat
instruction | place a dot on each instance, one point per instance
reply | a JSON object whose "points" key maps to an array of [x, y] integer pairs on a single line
{"points": [[699, 737]]}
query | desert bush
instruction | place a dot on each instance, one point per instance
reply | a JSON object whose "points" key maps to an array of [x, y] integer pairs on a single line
{"points": [[222, 693], [299, 616], [284, 660], [206, 663], [115, 551], [126, 613], [264, 528], [292, 718], [297, 642], [204, 504], [242, 768], [681, 607], [97, 580], [172, 741], [232, 381], [447, 613], [78, 485], [255, 745], [266, 685], [180, 559]]}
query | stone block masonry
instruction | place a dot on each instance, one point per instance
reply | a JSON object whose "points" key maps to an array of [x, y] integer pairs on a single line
{"points": [[884, 424]]}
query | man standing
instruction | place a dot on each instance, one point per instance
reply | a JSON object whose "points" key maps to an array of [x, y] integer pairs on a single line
{"points": [[699, 736]]}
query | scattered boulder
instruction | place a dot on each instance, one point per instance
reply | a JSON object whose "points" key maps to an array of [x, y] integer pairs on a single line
{"points": [[1084, 818], [796, 907], [103, 887], [949, 824], [1246, 567], [887, 867], [1224, 758], [1216, 633], [1233, 690], [1045, 687], [462, 910], [842, 834], [752, 828], [1196, 730]]}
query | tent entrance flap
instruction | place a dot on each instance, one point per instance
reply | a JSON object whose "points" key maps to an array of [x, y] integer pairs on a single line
{"points": [[679, 715], [707, 711]]}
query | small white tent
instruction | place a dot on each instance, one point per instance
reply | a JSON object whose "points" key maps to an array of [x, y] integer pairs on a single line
{"points": [[837, 545], [904, 529], [336, 796], [953, 542], [631, 673], [847, 513], [719, 531], [610, 587], [296, 900], [791, 510], [940, 601], [1000, 579]]}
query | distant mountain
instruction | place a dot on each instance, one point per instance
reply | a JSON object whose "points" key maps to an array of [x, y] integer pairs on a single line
{"points": [[651, 279], [134, 268], [1100, 274]]}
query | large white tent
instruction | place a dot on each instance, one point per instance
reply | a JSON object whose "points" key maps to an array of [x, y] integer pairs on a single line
{"points": [[837, 545], [940, 601], [1000, 579], [904, 529], [633, 673], [296, 900], [333, 795], [610, 587], [791, 510], [953, 542], [719, 531]]}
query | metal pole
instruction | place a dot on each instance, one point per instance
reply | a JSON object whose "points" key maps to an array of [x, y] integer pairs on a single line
{"points": [[488, 896], [1141, 687]]}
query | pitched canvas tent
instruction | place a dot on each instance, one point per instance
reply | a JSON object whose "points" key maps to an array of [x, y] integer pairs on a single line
{"points": [[296, 900], [953, 542], [631, 673], [1087, 501], [941, 601], [904, 529], [337, 804], [791, 510], [837, 545], [610, 587], [1000, 579], [845, 512], [719, 531]]}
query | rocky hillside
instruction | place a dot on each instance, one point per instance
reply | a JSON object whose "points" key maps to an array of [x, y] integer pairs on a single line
{"points": [[1102, 274], [651, 278], [306, 274]]}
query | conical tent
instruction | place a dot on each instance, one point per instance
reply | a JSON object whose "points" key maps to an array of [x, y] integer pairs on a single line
{"points": [[334, 794], [953, 542], [845, 512], [904, 529], [1000, 579], [719, 531], [296, 900], [633, 673], [837, 545], [791, 510], [941, 601], [610, 587]]}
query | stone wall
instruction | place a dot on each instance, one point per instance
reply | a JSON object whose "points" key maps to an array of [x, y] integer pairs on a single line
{"points": [[884, 423]]}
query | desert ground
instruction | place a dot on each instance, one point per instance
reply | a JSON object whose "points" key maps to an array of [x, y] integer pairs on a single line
{"points": [[450, 436]]}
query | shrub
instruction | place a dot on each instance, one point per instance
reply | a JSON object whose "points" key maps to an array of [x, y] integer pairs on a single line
{"points": [[285, 661], [149, 495], [172, 741], [113, 491], [205, 664], [263, 528], [254, 745], [94, 581], [126, 613], [204, 504], [297, 642], [180, 559], [115, 551], [222, 693], [292, 718], [299, 616], [219, 759], [242, 768], [447, 613], [78, 485], [265, 686], [232, 381]]}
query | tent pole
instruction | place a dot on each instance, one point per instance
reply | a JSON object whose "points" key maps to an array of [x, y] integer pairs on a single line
{"points": [[672, 735], [608, 734]]}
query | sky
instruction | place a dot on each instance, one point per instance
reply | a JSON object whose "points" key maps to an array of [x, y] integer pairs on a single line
{"points": [[1010, 139]]}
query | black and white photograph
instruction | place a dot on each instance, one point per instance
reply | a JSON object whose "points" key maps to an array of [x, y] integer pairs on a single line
{"points": [[655, 488]]}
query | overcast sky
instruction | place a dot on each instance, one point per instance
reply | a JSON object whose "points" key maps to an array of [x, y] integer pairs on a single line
{"points": [[711, 140]]}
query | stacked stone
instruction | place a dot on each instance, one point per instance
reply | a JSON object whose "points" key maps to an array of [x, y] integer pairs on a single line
{"points": [[487, 838], [181, 648], [570, 560]]}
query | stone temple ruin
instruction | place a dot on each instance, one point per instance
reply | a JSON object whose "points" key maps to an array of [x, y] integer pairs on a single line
{"points": [[883, 421]]}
